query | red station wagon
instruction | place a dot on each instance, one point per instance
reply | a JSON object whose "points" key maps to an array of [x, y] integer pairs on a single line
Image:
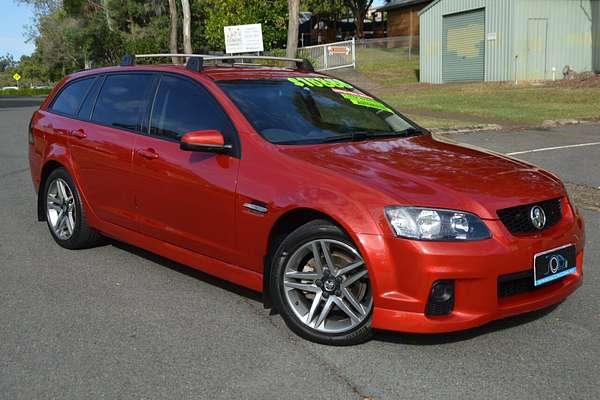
{"points": [[344, 213]]}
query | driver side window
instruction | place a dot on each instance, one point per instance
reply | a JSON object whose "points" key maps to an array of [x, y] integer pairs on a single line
{"points": [[182, 106]]}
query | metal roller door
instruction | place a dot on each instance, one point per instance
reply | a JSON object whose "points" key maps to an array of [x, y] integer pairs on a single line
{"points": [[464, 46]]}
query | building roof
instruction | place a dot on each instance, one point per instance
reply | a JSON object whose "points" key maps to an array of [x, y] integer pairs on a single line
{"points": [[428, 6], [395, 4]]}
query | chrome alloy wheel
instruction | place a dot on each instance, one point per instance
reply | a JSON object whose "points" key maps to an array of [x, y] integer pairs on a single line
{"points": [[60, 209], [326, 285]]}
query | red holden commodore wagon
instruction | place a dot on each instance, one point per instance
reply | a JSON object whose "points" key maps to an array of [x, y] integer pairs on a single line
{"points": [[344, 213]]}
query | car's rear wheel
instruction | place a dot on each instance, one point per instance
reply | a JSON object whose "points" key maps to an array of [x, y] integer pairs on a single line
{"points": [[65, 214], [320, 285]]}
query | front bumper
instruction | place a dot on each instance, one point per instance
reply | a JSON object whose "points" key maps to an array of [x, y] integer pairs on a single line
{"points": [[403, 271]]}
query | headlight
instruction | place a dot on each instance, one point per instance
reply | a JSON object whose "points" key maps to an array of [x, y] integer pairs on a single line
{"points": [[435, 224]]}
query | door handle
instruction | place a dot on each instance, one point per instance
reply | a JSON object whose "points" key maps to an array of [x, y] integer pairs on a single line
{"points": [[78, 133], [150, 154]]}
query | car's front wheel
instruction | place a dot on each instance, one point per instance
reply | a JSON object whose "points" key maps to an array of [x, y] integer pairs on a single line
{"points": [[65, 214], [320, 285]]}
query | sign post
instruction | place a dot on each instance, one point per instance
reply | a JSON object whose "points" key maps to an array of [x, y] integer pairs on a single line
{"points": [[243, 38], [17, 78]]}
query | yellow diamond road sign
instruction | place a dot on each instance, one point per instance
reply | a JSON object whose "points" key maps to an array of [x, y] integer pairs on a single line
{"points": [[17, 77]]}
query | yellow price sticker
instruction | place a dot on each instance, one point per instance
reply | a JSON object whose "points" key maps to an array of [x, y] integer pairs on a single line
{"points": [[17, 77]]}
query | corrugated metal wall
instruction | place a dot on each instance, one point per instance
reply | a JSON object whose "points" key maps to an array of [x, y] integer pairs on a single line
{"points": [[595, 6], [498, 29], [569, 37], [572, 36]]}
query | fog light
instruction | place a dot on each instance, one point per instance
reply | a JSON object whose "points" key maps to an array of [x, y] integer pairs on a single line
{"points": [[441, 298]]}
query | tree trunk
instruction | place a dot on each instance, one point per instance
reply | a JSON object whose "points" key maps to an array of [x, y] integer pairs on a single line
{"points": [[173, 33], [187, 28], [292, 38], [359, 22], [359, 10], [107, 15]]}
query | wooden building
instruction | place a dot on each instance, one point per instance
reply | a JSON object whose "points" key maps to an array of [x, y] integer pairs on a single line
{"points": [[403, 16]]}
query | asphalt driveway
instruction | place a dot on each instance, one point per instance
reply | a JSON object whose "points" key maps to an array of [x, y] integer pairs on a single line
{"points": [[118, 322]]}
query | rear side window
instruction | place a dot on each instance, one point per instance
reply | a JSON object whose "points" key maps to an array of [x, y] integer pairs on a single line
{"points": [[122, 100], [85, 110], [69, 99], [183, 106]]}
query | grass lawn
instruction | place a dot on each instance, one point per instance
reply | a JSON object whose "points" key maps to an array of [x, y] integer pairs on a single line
{"points": [[439, 123], [388, 66], [500, 103], [523, 104]]}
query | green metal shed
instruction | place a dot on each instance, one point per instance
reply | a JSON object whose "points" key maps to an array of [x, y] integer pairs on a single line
{"points": [[500, 40]]}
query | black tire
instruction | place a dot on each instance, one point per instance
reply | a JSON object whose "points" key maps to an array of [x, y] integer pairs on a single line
{"points": [[83, 235], [317, 229]]}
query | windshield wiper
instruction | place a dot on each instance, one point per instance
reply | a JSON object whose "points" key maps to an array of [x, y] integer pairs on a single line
{"points": [[363, 135], [352, 136], [411, 131]]}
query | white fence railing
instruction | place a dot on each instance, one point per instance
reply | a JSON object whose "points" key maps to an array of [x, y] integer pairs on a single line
{"points": [[331, 55]]}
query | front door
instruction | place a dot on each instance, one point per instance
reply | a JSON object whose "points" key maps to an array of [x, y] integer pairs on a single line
{"points": [[537, 30], [102, 148], [186, 198]]}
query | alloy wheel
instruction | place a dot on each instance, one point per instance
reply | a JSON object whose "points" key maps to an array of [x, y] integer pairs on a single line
{"points": [[60, 209], [326, 285]]}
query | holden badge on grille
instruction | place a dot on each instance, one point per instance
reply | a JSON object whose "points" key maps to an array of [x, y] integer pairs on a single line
{"points": [[538, 217]]}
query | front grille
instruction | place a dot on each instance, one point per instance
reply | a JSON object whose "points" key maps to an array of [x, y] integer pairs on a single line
{"points": [[517, 283], [518, 221]]}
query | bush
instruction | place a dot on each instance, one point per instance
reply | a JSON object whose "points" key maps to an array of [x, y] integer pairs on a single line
{"points": [[25, 92]]}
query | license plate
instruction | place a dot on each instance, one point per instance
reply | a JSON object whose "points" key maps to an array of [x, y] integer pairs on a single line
{"points": [[553, 264]]}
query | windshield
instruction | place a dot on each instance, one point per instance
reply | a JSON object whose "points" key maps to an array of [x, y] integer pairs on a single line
{"points": [[301, 110]]}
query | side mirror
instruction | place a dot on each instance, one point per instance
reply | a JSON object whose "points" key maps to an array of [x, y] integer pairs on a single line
{"points": [[211, 141]]}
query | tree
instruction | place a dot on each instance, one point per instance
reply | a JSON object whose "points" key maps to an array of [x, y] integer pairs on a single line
{"points": [[107, 15], [7, 62], [173, 29], [32, 70], [359, 9], [74, 34], [292, 36], [187, 26], [324, 6], [220, 13]]}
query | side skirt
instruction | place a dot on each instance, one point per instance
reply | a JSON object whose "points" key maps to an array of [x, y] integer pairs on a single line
{"points": [[232, 273]]}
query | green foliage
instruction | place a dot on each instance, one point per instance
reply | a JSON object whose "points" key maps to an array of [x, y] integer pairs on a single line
{"points": [[72, 35], [83, 34], [7, 62], [25, 92], [324, 6], [273, 17], [32, 70]]}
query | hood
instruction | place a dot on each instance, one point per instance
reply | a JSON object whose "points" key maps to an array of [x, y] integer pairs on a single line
{"points": [[424, 171]]}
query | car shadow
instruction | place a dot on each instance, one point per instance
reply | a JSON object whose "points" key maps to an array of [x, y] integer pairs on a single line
{"points": [[189, 271], [418, 339], [423, 339]]}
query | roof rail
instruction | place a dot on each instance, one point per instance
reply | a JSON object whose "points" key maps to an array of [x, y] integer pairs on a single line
{"points": [[301, 63]]}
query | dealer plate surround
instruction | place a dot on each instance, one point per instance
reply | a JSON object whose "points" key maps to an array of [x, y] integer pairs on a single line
{"points": [[553, 264]]}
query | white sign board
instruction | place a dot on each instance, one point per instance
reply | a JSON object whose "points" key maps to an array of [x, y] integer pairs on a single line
{"points": [[492, 36], [243, 38]]}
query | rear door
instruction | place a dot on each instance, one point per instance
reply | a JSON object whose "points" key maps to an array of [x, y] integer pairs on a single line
{"points": [[102, 146], [186, 198], [58, 120]]}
